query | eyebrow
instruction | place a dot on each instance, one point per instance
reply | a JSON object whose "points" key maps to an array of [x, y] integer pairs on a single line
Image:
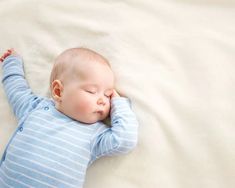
{"points": [[91, 85], [95, 85]]}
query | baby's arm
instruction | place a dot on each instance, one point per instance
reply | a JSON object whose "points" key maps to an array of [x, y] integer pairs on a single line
{"points": [[122, 136], [17, 90]]}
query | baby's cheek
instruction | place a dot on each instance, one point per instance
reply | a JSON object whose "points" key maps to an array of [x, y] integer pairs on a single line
{"points": [[108, 108], [86, 105]]}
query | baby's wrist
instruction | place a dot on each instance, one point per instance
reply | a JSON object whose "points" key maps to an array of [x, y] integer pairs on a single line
{"points": [[116, 100]]}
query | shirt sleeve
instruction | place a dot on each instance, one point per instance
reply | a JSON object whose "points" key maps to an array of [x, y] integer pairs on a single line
{"points": [[19, 95], [122, 136]]}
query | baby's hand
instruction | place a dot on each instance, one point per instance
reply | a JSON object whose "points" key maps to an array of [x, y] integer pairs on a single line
{"points": [[7, 53], [115, 94]]}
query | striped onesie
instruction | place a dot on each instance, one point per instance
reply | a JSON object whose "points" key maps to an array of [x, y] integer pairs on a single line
{"points": [[49, 149]]}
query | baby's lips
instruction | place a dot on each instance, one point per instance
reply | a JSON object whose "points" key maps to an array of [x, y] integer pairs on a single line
{"points": [[101, 112]]}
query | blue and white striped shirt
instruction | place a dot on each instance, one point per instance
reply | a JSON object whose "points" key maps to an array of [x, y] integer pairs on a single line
{"points": [[49, 149]]}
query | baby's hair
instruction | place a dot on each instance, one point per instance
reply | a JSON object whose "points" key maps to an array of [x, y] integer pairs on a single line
{"points": [[63, 63]]}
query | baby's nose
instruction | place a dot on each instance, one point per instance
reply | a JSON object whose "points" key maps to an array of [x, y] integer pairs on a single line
{"points": [[101, 101]]}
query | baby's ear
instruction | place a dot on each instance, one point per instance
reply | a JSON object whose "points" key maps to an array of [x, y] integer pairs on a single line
{"points": [[57, 88]]}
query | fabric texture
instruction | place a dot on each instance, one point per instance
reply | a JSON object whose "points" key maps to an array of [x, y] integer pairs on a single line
{"points": [[173, 58]]}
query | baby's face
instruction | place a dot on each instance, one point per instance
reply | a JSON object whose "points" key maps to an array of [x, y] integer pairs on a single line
{"points": [[86, 97]]}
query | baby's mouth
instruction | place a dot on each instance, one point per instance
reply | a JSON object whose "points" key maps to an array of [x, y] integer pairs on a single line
{"points": [[99, 112]]}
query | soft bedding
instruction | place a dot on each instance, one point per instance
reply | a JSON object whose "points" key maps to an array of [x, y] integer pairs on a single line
{"points": [[175, 59]]}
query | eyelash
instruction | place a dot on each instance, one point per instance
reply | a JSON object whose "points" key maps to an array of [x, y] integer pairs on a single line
{"points": [[91, 92]]}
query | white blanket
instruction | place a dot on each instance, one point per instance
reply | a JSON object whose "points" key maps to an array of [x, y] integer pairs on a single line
{"points": [[175, 59]]}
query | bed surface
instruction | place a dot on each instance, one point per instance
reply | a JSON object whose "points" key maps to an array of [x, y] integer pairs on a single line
{"points": [[175, 59]]}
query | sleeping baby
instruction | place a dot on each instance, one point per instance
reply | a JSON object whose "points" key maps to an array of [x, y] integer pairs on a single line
{"points": [[57, 138]]}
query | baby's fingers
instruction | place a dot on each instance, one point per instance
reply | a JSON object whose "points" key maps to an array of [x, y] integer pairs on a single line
{"points": [[7, 53], [115, 94]]}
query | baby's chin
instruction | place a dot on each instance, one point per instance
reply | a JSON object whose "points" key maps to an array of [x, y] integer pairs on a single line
{"points": [[92, 120]]}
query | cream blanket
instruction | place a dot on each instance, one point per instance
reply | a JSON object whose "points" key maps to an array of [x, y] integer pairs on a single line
{"points": [[175, 59]]}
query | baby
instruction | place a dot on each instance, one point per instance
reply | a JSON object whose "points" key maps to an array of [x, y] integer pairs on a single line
{"points": [[59, 137]]}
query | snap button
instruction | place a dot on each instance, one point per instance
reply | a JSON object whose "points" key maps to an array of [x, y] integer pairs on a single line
{"points": [[21, 129], [46, 108]]}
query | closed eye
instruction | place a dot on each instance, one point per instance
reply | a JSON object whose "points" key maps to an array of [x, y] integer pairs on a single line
{"points": [[92, 92]]}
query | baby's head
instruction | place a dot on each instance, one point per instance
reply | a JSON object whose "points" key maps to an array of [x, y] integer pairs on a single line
{"points": [[81, 84]]}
